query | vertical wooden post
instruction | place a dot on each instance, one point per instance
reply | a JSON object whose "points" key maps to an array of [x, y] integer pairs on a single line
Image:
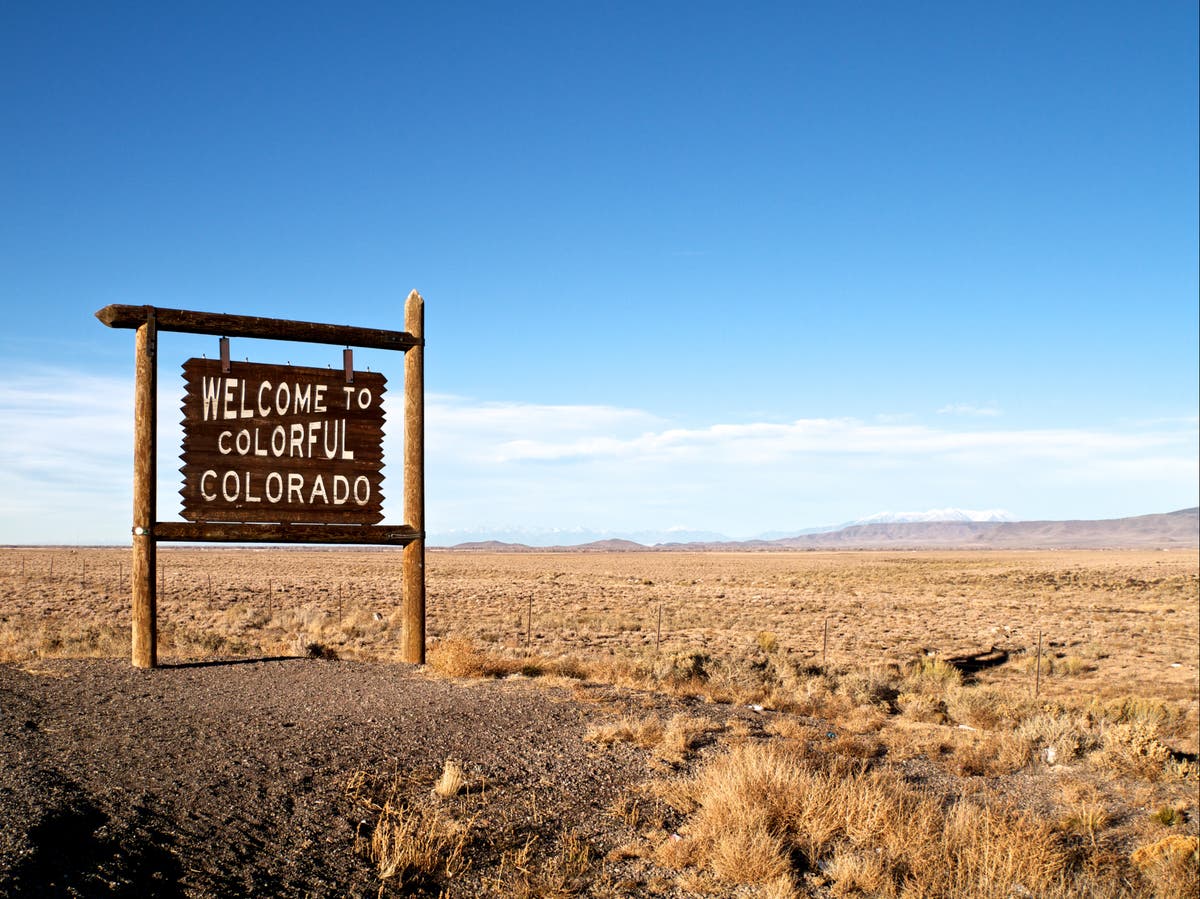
{"points": [[145, 430], [413, 609], [1037, 677]]}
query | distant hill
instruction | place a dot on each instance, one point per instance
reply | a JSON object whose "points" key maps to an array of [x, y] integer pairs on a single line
{"points": [[596, 546], [1180, 528], [1168, 530], [938, 515], [559, 537]]}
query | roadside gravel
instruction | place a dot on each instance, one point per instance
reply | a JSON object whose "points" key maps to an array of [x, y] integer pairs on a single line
{"points": [[225, 779]]}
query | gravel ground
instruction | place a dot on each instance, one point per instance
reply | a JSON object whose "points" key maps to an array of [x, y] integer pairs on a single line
{"points": [[230, 778]]}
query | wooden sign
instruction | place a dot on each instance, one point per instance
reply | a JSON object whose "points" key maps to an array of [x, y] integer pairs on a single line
{"points": [[281, 443], [276, 454]]}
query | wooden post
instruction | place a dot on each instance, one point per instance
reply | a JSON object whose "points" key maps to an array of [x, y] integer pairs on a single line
{"points": [[413, 609], [145, 428], [1037, 678], [825, 645], [658, 630]]}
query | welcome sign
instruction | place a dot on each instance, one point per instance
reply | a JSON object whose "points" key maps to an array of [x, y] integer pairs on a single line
{"points": [[281, 443]]}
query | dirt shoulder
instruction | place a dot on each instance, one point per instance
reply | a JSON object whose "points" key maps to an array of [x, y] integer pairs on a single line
{"points": [[231, 779]]}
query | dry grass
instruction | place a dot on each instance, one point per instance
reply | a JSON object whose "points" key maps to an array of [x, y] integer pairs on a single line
{"points": [[452, 782], [413, 846], [1172, 864], [755, 807], [1114, 623], [1054, 794], [1134, 748], [671, 743]]}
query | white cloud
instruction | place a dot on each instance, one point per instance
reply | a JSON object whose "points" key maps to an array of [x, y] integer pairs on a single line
{"points": [[66, 458], [625, 468], [969, 409], [761, 442], [66, 455]]}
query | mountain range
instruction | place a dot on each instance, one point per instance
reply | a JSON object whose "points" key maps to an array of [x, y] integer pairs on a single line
{"points": [[580, 536], [537, 537], [1179, 529]]}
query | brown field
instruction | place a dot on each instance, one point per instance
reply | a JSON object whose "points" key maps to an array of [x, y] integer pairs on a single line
{"points": [[900, 687], [1112, 622]]}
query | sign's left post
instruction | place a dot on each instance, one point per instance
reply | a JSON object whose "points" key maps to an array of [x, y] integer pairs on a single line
{"points": [[145, 452]]}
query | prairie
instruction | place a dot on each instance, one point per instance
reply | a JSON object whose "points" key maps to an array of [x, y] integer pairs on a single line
{"points": [[906, 690], [1111, 622]]}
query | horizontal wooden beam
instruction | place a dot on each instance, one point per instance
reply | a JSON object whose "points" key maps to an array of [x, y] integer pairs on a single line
{"points": [[236, 532], [222, 325]]}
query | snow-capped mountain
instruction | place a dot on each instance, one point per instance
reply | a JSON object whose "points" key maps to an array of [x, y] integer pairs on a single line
{"points": [[934, 515], [984, 515]]}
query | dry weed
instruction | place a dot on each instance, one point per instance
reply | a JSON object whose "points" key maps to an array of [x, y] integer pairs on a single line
{"points": [[452, 781], [415, 846], [671, 743], [989, 754], [1134, 749], [922, 707], [1061, 737], [645, 732], [859, 873], [1171, 866], [460, 657], [756, 805], [561, 874], [932, 674]]}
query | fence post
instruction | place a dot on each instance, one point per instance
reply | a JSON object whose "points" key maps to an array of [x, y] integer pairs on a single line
{"points": [[1037, 679]]}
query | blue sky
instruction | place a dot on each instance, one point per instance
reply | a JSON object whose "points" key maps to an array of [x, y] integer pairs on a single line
{"points": [[685, 264]]}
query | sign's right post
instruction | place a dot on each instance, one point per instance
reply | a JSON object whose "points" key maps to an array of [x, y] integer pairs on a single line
{"points": [[413, 608]]}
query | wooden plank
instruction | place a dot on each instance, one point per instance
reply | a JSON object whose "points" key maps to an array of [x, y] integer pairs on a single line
{"points": [[221, 532], [223, 325], [144, 630], [281, 443], [413, 606]]}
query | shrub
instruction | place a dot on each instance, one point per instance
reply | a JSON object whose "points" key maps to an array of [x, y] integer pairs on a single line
{"points": [[459, 657], [685, 667], [1172, 865], [767, 642], [922, 707], [1062, 738], [1134, 749], [931, 673]]}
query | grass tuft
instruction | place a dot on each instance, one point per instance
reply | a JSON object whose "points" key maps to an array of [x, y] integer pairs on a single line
{"points": [[452, 781]]}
